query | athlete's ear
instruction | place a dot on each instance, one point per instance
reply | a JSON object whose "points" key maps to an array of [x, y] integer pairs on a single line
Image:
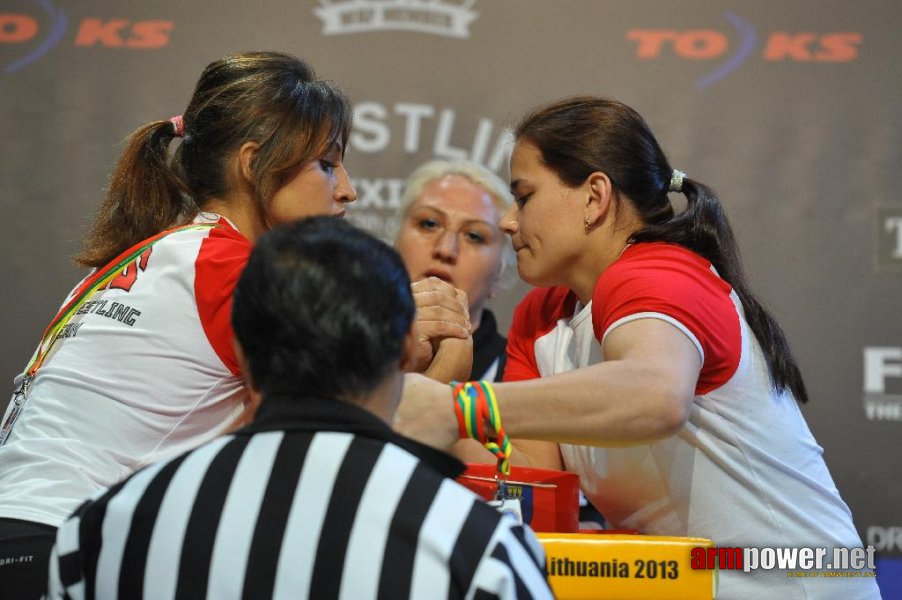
{"points": [[246, 154], [599, 198]]}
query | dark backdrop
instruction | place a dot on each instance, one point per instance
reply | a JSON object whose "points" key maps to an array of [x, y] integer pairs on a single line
{"points": [[791, 111]]}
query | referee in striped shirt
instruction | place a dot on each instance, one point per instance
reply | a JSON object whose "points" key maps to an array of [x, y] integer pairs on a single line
{"points": [[318, 497]]}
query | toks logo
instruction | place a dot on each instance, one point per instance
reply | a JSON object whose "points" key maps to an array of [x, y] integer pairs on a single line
{"points": [[450, 18], [710, 44], [40, 32]]}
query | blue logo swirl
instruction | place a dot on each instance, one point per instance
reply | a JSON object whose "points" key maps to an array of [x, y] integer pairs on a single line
{"points": [[747, 41], [58, 28]]}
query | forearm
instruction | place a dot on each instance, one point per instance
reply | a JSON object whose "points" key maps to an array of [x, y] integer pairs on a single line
{"points": [[453, 360], [609, 404], [642, 391]]}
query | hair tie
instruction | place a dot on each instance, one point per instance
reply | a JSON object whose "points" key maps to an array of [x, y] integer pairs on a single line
{"points": [[178, 125], [676, 181]]}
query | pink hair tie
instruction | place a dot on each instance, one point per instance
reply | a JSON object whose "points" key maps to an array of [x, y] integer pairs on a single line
{"points": [[178, 125]]}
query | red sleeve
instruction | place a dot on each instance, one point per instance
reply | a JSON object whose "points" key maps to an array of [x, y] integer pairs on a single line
{"points": [[670, 282], [536, 315], [220, 261]]}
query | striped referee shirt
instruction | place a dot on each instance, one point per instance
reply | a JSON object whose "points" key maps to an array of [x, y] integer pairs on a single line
{"points": [[317, 498]]}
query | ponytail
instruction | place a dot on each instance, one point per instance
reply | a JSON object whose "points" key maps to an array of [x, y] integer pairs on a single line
{"points": [[144, 197], [703, 228], [269, 98]]}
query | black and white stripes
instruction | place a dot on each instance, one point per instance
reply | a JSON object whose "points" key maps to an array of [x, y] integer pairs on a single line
{"points": [[291, 515]]}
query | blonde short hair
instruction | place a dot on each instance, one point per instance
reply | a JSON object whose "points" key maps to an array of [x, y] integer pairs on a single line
{"points": [[436, 169], [497, 189]]}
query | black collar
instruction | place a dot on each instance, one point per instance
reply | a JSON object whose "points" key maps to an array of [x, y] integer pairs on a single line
{"points": [[488, 346], [487, 329], [282, 412]]}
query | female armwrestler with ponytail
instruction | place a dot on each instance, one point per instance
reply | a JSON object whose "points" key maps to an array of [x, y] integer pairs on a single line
{"points": [[139, 364], [645, 357], [142, 366]]}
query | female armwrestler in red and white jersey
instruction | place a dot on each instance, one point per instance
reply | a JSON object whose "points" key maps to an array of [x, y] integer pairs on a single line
{"points": [[644, 361], [145, 369]]}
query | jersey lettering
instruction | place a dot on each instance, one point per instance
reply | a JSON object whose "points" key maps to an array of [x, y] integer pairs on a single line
{"points": [[129, 275]]}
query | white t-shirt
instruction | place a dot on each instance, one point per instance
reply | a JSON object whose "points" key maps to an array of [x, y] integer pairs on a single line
{"points": [[147, 372], [744, 471]]}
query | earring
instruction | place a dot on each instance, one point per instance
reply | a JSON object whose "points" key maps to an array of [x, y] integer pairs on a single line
{"points": [[587, 224]]}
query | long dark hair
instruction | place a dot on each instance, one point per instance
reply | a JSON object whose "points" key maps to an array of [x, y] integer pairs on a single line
{"points": [[582, 135], [271, 98]]}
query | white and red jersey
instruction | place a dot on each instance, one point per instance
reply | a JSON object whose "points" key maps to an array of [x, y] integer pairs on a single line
{"points": [[744, 470], [144, 371]]}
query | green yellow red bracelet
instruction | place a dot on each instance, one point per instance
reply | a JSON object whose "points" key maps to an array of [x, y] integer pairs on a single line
{"points": [[476, 405]]}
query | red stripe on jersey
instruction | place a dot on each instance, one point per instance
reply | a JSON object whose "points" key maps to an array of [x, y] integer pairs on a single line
{"points": [[673, 281], [221, 259], [536, 315]]}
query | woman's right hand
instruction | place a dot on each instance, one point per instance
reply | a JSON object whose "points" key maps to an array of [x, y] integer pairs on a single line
{"points": [[444, 343]]}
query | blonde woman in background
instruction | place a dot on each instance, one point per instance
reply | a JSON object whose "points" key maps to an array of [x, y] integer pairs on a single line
{"points": [[449, 231]]}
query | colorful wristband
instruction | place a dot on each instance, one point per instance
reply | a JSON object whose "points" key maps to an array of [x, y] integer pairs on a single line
{"points": [[460, 409], [475, 404]]}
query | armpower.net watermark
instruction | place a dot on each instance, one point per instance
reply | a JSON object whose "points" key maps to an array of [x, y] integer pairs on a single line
{"points": [[797, 562]]}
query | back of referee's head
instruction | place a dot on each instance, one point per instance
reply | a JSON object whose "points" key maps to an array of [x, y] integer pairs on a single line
{"points": [[323, 309]]}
